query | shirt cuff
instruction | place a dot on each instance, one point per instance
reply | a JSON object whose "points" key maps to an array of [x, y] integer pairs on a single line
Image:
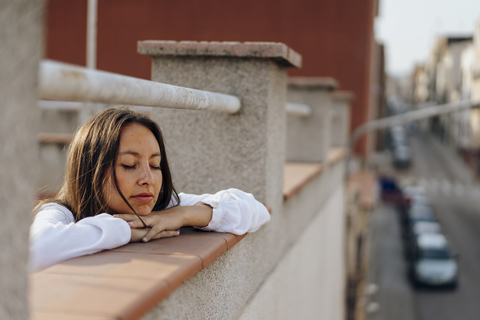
{"points": [[217, 214]]}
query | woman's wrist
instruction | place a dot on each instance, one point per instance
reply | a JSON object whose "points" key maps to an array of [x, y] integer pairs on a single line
{"points": [[198, 215]]}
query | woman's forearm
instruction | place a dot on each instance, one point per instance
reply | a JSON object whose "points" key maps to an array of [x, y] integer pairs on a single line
{"points": [[198, 215]]}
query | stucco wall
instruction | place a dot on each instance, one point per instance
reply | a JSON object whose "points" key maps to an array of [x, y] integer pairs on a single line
{"points": [[308, 283]]}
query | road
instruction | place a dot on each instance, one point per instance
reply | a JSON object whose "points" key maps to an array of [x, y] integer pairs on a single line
{"points": [[457, 203]]}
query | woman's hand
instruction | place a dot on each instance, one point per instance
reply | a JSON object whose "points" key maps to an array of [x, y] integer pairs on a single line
{"points": [[138, 234], [162, 223]]}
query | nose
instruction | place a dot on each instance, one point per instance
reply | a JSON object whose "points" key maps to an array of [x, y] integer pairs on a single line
{"points": [[146, 177]]}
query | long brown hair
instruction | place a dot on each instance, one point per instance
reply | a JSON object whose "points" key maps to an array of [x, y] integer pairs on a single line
{"points": [[93, 150]]}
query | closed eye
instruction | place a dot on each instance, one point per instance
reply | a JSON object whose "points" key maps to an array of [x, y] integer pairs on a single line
{"points": [[128, 167], [156, 168]]}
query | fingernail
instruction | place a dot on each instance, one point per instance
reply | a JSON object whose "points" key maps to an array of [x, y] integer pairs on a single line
{"points": [[115, 215], [144, 239], [178, 232], [130, 223]]}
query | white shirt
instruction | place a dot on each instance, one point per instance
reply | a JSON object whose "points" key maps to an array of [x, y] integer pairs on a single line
{"points": [[55, 237]]}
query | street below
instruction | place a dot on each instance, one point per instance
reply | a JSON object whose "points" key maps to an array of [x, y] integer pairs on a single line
{"points": [[456, 200]]}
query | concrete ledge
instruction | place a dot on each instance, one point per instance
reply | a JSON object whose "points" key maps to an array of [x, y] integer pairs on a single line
{"points": [[336, 154], [298, 175], [127, 282], [313, 82], [277, 51]]}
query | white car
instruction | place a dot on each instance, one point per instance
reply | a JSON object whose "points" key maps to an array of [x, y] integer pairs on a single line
{"points": [[433, 263]]}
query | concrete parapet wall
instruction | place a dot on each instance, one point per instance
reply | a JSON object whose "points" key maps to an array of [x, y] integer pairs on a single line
{"points": [[308, 138], [308, 227]]}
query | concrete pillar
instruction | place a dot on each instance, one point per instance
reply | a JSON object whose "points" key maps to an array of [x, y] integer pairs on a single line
{"points": [[211, 151], [308, 138], [20, 51], [340, 118]]}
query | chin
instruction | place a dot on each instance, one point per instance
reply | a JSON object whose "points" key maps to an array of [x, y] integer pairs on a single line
{"points": [[144, 211]]}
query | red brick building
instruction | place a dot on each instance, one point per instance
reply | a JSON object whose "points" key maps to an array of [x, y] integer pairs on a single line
{"points": [[334, 37]]}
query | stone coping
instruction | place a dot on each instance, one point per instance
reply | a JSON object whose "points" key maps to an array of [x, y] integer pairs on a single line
{"points": [[128, 282], [273, 50], [326, 83], [343, 95], [336, 154], [298, 175]]}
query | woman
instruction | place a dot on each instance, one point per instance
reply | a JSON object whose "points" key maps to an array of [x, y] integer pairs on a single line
{"points": [[118, 189]]}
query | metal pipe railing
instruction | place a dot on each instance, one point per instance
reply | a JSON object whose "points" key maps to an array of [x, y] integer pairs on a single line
{"points": [[64, 82], [298, 109], [403, 118]]}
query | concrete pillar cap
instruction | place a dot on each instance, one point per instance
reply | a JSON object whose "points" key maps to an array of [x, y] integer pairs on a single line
{"points": [[326, 83], [270, 50]]}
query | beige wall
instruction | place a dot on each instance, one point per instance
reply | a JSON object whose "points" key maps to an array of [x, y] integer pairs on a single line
{"points": [[308, 283]]}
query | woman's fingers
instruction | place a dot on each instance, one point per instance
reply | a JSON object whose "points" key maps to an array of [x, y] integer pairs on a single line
{"points": [[157, 229], [133, 220], [163, 234], [137, 223], [127, 217]]}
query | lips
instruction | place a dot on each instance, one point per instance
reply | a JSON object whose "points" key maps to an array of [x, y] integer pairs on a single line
{"points": [[143, 197]]}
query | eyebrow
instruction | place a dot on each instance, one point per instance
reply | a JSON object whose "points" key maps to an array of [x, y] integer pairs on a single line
{"points": [[157, 154]]}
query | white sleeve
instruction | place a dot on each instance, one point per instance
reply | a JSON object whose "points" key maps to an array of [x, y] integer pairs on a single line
{"points": [[54, 235], [234, 211]]}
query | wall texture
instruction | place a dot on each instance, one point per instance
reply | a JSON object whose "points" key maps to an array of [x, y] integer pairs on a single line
{"points": [[20, 51]]}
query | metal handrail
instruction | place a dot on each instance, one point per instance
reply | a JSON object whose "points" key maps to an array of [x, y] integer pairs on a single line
{"points": [[65, 82], [298, 109], [403, 118]]}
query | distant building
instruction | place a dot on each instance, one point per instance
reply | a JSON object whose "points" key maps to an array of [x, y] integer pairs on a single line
{"points": [[475, 89], [453, 73], [420, 83]]}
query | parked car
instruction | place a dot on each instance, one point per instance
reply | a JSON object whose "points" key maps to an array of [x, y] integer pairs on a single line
{"points": [[401, 157], [419, 228], [397, 137], [417, 213], [424, 227], [433, 263], [412, 195]]}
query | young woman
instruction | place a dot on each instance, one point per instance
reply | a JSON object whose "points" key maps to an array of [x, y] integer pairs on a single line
{"points": [[118, 189]]}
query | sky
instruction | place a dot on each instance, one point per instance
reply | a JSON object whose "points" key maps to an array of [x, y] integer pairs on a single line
{"points": [[408, 28]]}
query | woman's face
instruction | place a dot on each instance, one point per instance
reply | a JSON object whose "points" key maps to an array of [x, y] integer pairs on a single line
{"points": [[138, 172]]}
